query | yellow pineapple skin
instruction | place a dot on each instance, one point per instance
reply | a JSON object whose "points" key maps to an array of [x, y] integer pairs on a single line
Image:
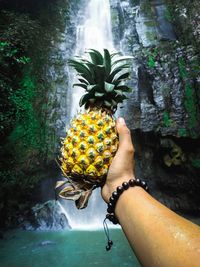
{"points": [[89, 146]]}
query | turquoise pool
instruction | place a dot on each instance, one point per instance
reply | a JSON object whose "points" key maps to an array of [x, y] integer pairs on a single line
{"points": [[65, 248]]}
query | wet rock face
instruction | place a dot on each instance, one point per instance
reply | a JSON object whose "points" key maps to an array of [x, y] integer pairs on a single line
{"points": [[58, 77], [168, 166], [46, 216], [165, 102], [164, 78]]}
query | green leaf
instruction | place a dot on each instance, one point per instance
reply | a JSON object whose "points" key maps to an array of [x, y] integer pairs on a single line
{"points": [[114, 54], [121, 98], [96, 56], [116, 70], [124, 88], [121, 59], [107, 62], [82, 80], [119, 92], [82, 70], [92, 87], [122, 76], [84, 99], [109, 87], [99, 75], [97, 94], [114, 103], [84, 86], [107, 104]]}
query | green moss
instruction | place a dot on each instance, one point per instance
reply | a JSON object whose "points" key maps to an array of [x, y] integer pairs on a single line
{"points": [[151, 36], [169, 14], [147, 9], [151, 62], [152, 57], [196, 163], [151, 23], [191, 101], [190, 105], [182, 132], [182, 68], [167, 122]]}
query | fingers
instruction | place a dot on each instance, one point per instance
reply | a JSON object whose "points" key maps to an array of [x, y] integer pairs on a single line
{"points": [[125, 142]]}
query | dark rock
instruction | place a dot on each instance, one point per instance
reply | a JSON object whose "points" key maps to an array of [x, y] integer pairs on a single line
{"points": [[1, 235], [46, 216]]}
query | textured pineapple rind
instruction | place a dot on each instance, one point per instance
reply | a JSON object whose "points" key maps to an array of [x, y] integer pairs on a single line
{"points": [[89, 146]]}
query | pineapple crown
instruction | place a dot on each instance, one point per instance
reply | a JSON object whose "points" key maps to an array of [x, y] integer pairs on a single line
{"points": [[102, 76]]}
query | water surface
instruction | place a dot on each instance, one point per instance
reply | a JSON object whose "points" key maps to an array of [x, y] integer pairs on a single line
{"points": [[65, 248]]}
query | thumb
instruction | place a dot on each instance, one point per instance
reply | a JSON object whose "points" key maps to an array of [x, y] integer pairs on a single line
{"points": [[125, 141]]}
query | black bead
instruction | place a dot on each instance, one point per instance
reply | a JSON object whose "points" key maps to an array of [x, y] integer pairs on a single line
{"points": [[108, 215], [143, 184], [112, 200], [110, 208], [112, 217], [120, 189], [115, 221], [131, 182], [137, 181], [110, 242], [115, 195], [108, 248], [125, 185]]}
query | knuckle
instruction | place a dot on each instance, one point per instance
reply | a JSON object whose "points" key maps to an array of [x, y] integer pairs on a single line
{"points": [[127, 131], [130, 149]]}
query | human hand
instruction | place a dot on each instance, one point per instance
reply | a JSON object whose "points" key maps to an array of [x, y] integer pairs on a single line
{"points": [[122, 167]]}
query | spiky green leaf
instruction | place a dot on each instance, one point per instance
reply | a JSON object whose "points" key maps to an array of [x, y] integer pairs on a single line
{"points": [[116, 70], [109, 87], [114, 103], [115, 54], [120, 59], [83, 80], [122, 76], [97, 56], [123, 88], [107, 62], [99, 75], [107, 104], [92, 87], [102, 76], [84, 99], [84, 86], [97, 94], [119, 92], [82, 70]]}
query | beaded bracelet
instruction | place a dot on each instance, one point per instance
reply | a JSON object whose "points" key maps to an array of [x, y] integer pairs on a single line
{"points": [[112, 203]]}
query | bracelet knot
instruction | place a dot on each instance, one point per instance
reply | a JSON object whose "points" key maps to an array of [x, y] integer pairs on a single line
{"points": [[112, 203]]}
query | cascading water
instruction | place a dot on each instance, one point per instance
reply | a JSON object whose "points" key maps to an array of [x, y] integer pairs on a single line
{"points": [[95, 33]]}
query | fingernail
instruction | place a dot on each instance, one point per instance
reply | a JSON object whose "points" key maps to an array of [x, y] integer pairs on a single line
{"points": [[121, 121]]}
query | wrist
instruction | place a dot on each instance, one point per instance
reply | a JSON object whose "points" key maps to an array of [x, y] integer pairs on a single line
{"points": [[121, 190], [110, 186]]}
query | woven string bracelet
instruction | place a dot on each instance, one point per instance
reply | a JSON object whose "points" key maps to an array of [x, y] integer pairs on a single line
{"points": [[112, 203]]}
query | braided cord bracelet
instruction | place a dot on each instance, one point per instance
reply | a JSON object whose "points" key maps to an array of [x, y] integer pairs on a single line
{"points": [[112, 203]]}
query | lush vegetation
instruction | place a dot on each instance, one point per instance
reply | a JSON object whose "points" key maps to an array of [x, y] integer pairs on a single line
{"points": [[25, 44]]}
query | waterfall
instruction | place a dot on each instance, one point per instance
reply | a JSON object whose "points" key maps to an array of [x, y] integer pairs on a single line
{"points": [[95, 32]]}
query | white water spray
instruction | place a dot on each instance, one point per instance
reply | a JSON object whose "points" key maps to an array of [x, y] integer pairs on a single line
{"points": [[95, 33]]}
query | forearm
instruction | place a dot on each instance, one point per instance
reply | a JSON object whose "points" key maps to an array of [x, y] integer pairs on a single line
{"points": [[158, 236]]}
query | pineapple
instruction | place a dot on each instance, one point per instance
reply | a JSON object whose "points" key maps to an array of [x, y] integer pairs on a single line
{"points": [[91, 141]]}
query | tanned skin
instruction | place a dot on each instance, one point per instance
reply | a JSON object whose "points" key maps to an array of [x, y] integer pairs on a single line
{"points": [[157, 235]]}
